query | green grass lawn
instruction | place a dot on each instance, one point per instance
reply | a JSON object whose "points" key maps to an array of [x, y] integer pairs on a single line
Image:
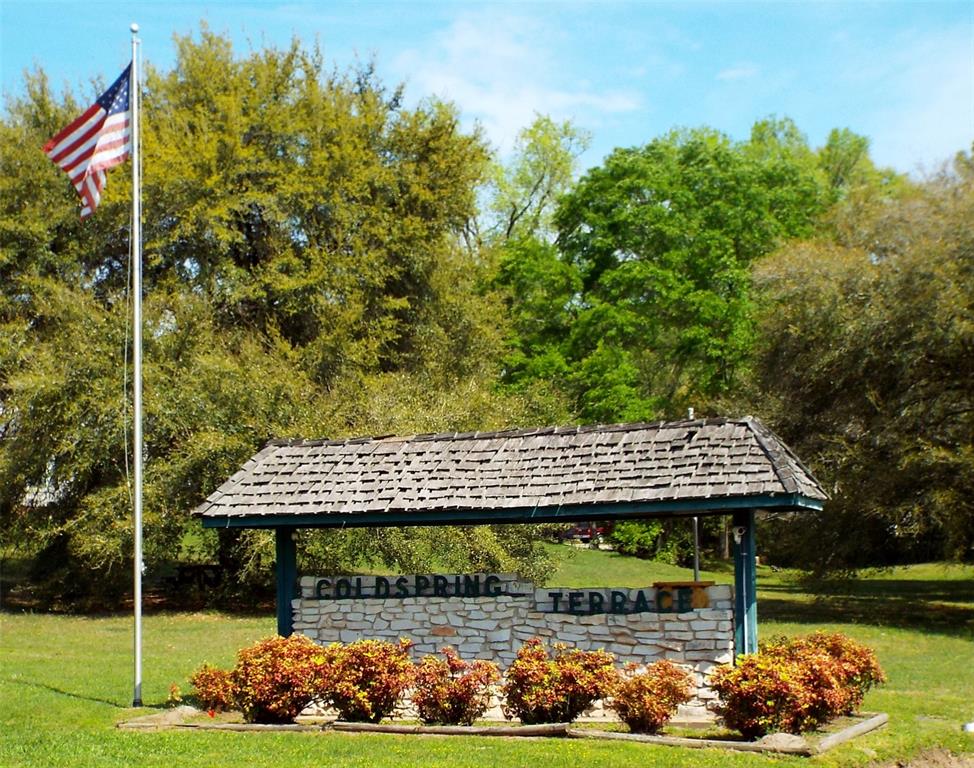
{"points": [[66, 681]]}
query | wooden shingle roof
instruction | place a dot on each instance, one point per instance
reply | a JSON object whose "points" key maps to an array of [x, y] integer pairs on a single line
{"points": [[546, 474]]}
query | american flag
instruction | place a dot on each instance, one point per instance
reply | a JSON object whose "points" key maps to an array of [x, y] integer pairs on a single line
{"points": [[95, 142]]}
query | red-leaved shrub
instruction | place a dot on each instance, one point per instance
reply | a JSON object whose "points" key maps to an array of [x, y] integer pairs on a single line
{"points": [[452, 691], [794, 685], [858, 665], [276, 678], [213, 688], [760, 694], [645, 701], [543, 688], [369, 678]]}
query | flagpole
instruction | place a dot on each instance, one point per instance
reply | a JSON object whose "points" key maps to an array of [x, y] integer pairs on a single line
{"points": [[136, 247]]}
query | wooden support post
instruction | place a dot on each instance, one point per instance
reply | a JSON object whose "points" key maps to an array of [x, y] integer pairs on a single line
{"points": [[287, 578], [745, 584]]}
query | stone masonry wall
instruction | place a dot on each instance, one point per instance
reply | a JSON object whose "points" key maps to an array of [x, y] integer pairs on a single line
{"points": [[494, 626]]}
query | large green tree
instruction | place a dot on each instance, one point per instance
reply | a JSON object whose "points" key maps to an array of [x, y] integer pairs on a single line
{"points": [[642, 306], [304, 276], [865, 365]]}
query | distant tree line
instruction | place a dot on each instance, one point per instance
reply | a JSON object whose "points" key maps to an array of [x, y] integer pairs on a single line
{"points": [[323, 261]]}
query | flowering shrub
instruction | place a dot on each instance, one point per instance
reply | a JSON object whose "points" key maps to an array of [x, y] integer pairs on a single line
{"points": [[556, 689], [276, 678], [453, 691], [213, 688], [645, 701], [795, 685], [369, 679]]}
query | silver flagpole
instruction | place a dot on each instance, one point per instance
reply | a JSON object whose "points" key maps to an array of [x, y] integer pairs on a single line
{"points": [[136, 246]]}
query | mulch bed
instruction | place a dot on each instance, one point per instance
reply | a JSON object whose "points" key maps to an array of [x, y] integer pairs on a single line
{"points": [[783, 743]]}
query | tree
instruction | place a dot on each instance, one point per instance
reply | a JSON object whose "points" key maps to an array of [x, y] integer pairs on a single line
{"points": [[865, 366], [302, 246], [651, 307], [525, 191]]}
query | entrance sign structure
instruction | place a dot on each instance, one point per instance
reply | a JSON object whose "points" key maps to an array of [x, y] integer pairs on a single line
{"points": [[718, 466]]}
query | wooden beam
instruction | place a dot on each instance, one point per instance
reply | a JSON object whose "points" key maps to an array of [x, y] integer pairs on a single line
{"points": [[555, 513], [287, 578], [745, 584]]}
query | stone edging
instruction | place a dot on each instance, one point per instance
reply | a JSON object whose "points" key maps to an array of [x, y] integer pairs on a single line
{"points": [[777, 743], [548, 729], [789, 746]]}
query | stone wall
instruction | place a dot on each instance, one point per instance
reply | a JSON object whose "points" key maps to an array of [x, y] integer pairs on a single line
{"points": [[493, 626]]}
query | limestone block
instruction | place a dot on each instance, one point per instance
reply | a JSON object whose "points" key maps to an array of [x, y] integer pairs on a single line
{"points": [[499, 636], [645, 651], [482, 625], [720, 592], [359, 626], [467, 650], [623, 636], [349, 635], [401, 625], [624, 652], [644, 625], [668, 645], [699, 655], [712, 614], [699, 645], [569, 637], [703, 625]]}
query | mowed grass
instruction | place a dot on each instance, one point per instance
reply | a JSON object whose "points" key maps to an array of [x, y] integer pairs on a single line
{"points": [[66, 681]]}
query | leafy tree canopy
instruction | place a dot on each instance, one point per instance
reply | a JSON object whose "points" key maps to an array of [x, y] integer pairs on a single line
{"points": [[865, 366], [304, 276], [649, 309]]}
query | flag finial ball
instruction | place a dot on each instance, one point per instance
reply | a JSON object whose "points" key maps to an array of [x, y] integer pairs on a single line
{"points": [[135, 28]]}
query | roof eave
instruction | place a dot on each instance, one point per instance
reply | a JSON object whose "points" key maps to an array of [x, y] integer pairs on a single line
{"points": [[554, 514]]}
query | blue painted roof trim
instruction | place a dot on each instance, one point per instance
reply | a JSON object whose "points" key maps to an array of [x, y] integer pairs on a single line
{"points": [[556, 514]]}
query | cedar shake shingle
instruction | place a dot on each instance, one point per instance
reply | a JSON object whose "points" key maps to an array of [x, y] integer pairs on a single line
{"points": [[701, 460]]}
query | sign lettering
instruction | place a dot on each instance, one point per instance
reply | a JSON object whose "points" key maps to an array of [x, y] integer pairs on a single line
{"points": [[663, 597]]}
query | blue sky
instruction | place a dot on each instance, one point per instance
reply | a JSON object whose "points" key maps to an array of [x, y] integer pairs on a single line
{"points": [[902, 73]]}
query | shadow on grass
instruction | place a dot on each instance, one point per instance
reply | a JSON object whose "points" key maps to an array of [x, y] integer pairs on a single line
{"points": [[69, 694], [943, 607]]}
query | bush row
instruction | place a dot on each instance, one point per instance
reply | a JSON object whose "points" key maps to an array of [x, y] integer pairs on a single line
{"points": [[790, 685], [275, 679], [795, 685]]}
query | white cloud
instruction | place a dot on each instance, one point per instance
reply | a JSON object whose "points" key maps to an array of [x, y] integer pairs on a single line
{"points": [[501, 68], [739, 72]]}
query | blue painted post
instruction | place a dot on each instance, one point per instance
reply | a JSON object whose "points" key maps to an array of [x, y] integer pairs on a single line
{"points": [[745, 584], [287, 578]]}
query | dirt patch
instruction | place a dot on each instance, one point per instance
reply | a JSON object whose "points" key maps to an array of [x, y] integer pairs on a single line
{"points": [[936, 758], [164, 719]]}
